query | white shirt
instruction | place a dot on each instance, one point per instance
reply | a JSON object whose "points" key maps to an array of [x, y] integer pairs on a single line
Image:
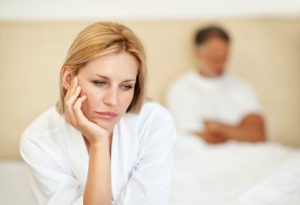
{"points": [[141, 158], [194, 98]]}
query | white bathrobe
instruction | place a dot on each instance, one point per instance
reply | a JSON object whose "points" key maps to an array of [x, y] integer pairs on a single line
{"points": [[141, 158]]}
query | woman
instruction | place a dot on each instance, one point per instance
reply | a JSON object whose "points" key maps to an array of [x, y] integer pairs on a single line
{"points": [[101, 144]]}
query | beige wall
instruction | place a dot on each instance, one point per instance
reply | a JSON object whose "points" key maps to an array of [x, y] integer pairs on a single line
{"points": [[264, 52]]}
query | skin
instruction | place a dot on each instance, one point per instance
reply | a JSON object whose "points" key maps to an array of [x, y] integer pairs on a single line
{"points": [[104, 84], [211, 59]]}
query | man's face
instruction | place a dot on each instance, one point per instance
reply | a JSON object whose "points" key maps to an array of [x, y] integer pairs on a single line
{"points": [[212, 57]]}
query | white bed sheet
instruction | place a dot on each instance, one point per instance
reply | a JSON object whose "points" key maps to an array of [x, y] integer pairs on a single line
{"points": [[235, 173], [14, 184], [228, 174]]}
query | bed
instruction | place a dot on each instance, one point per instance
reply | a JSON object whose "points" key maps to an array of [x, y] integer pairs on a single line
{"points": [[14, 184], [229, 174], [235, 173]]}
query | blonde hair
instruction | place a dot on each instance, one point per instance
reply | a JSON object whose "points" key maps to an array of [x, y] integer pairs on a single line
{"points": [[100, 39]]}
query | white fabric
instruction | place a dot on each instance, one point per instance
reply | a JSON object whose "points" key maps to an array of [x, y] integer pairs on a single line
{"points": [[194, 98], [141, 158], [235, 173], [14, 184]]}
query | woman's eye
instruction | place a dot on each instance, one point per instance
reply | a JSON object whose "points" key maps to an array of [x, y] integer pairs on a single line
{"points": [[126, 87], [98, 83]]}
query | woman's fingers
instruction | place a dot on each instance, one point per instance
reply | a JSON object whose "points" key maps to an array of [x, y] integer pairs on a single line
{"points": [[72, 87], [69, 105], [78, 114], [91, 131], [70, 99]]}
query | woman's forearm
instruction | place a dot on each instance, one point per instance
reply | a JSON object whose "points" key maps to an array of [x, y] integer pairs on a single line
{"points": [[98, 186]]}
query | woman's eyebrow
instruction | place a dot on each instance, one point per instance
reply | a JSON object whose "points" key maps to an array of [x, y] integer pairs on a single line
{"points": [[107, 78], [129, 80], [102, 76]]}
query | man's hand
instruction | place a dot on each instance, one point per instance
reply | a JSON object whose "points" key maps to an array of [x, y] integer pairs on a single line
{"points": [[212, 133], [250, 129], [213, 127], [211, 138]]}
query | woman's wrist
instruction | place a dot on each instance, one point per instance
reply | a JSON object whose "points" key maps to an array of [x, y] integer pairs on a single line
{"points": [[101, 143]]}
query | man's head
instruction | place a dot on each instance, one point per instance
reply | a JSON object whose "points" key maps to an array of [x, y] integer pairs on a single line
{"points": [[211, 50]]}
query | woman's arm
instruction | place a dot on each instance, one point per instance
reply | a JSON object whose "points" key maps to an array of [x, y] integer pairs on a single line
{"points": [[50, 182], [98, 186]]}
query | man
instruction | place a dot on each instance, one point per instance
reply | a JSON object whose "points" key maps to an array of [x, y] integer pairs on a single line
{"points": [[210, 103]]}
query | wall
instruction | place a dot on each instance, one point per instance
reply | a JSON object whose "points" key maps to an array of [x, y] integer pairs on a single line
{"points": [[265, 52]]}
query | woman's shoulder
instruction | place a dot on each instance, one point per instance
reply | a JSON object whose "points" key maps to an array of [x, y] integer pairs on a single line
{"points": [[153, 109], [156, 109], [153, 125], [39, 142], [42, 125], [152, 115]]}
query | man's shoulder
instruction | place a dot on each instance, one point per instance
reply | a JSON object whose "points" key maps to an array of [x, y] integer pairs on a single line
{"points": [[183, 81], [236, 82], [186, 76]]}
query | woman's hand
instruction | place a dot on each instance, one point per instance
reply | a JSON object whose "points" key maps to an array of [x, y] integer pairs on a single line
{"points": [[98, 186], [74, 115]]}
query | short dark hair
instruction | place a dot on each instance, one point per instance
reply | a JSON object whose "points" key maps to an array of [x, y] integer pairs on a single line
{"points": [[203, 34]]}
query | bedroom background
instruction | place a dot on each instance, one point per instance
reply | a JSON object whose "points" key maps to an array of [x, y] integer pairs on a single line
{"points": [[35, 36], [34, 39]]}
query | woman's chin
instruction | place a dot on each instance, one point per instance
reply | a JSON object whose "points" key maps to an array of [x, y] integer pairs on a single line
{"points": [[107, 124], [104, 124]]}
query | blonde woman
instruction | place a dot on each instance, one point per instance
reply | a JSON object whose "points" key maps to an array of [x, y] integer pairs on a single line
{"points": [[101, 144]]}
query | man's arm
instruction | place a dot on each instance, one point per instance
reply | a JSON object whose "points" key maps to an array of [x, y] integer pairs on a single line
{"points": [[251, 129], [211, 138]]}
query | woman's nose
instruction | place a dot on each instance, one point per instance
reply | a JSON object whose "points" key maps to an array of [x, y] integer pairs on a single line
{"points": [[111, 97]]}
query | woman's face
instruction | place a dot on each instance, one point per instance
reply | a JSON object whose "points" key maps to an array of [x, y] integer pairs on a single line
{"points": [[108, 82]]}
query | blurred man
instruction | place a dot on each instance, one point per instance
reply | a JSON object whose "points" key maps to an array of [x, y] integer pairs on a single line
{"points": [[211, 103]]}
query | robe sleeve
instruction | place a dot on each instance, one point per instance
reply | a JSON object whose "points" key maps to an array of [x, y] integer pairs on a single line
{"points": [[50, 184], [150, 181]]}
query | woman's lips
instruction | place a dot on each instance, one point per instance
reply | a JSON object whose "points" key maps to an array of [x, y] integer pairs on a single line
{"points": [[107, 115]]}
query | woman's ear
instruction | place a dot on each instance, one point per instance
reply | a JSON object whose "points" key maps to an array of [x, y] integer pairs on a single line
{"points": [[67, 76]]}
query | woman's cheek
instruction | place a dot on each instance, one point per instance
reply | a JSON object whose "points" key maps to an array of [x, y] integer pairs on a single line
{"points": [[85, 109], [126, 102], [87, 105], [90, 102]]}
